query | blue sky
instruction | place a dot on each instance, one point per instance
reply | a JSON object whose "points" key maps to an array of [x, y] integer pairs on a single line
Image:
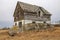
{"points": [[7, 9]]}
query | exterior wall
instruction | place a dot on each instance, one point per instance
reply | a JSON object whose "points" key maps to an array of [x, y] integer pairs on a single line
{"points": [[30, 21], [29, 24], [25, 25], [21, 28], [18, 13], [49, 22], [18, 22], [35, 16], [41, 13]]}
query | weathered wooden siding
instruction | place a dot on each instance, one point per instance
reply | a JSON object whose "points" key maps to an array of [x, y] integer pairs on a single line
{"points": [[28, 16], [18, 14]]}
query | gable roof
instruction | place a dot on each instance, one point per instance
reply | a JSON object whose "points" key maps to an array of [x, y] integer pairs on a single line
{"points": [[44, 11], [28, 7], [31, 8]]}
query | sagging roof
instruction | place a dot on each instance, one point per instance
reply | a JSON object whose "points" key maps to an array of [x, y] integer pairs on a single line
{"points": [[28, 7], [31, 8]]}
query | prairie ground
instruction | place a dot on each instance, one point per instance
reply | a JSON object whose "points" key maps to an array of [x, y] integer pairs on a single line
{"points": [[32, 35]]}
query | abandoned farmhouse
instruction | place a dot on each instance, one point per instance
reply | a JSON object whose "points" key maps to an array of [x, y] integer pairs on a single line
{"points": [[27, 16]]}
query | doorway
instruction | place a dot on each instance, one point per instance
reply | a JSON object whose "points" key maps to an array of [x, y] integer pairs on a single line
{"points": [[20, 24]]}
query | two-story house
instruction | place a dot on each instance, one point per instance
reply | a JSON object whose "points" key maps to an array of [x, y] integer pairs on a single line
{"points": [[27, 14]]}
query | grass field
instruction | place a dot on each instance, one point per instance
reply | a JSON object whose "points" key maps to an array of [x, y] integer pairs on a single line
{"points": [[32, 35]]}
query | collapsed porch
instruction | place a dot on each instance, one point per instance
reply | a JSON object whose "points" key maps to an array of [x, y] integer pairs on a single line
{"points": [[30, 25]]}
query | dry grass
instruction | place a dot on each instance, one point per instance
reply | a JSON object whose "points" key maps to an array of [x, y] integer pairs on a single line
{"points": [[32, 35]]}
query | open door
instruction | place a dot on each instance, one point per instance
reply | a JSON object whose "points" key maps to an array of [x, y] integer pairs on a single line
{"points": [[20, 24]]}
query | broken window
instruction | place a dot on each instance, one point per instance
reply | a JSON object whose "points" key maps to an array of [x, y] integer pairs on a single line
{"points": [[39, 13], [15, 24], [33, 22]]}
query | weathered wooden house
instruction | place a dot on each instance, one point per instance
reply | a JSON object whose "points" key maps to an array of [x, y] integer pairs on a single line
{"points": [[29, 16]]}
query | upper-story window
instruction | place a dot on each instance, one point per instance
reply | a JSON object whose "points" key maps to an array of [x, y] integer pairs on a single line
{"points": [[39, 13]]}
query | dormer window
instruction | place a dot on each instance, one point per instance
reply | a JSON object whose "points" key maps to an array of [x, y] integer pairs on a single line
{"points": [[39, 13]]}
